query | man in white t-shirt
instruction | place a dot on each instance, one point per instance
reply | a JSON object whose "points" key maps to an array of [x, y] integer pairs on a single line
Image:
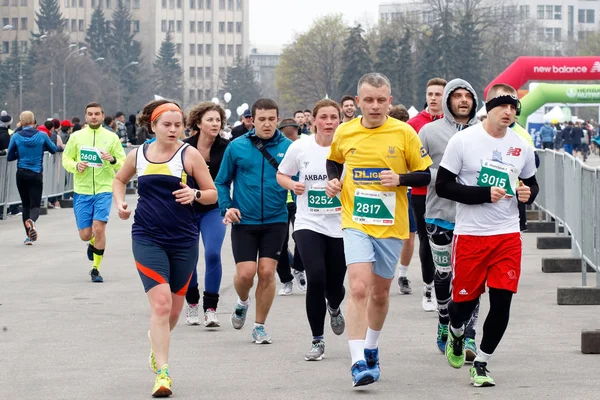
{"points": [[487, 169]]}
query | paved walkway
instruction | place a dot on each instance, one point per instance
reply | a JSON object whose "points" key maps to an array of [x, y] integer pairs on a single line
{"points": [[66, 338]]}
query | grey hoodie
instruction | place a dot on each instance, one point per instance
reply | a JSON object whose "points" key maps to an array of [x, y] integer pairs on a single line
{"points": [[435, 137]]}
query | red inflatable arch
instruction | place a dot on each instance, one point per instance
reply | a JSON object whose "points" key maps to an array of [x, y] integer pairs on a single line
{"points": [[548, 69]]}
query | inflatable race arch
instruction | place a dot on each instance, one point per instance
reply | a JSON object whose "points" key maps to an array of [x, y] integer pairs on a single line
{"points": [[557, 93]]}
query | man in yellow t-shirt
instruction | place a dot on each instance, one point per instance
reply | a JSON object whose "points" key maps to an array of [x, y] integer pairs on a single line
{"points": [[378, 153]]}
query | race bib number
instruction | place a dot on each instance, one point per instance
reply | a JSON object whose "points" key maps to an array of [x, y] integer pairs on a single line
{"points": [[441, 257], [495, 173], [374, 208], [92, 156], [320, 203]]}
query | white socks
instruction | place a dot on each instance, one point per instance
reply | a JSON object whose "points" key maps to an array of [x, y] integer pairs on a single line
{"points": [[372, 339], [403, 271], [357, 350], [482, 357], [458, 332], [244, 303]]}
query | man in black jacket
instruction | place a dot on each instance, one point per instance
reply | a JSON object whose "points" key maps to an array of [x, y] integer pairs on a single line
{"points": [[244, 127]]}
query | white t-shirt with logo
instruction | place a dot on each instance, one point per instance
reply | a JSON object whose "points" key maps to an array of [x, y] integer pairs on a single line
{"points": [[475, 150], [315, 211]]}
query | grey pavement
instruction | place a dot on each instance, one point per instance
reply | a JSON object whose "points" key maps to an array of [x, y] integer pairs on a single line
{"points": [[66, 338]]}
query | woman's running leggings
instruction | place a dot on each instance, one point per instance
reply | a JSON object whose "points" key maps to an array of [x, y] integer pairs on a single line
{"points": [[30, 185], [325, 265], [212, 230]]}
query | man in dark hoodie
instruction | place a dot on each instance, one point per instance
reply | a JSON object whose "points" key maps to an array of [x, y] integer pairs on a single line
{"points": [[459, 105], [28, 146], [5, 121]]}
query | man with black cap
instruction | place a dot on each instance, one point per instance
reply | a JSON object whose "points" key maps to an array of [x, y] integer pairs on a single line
{"points": [[244, 127]]}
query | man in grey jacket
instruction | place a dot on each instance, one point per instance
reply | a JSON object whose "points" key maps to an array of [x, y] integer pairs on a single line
{"points": [[459, 104]]}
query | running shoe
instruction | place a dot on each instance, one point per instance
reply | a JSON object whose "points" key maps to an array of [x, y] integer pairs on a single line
{"points": [[192, 314], [479, 375], [300, 279], [404, 284], [428, 301], [361, 375], [238, 316], [28, 242], [151, 359], [31, 231], [442, 337], [337, 322], [95, 275], [455, 349], [210, 318], [470, 350], [162, 384], [260, 336], [372, 359], [287, 289], [316, 352]]}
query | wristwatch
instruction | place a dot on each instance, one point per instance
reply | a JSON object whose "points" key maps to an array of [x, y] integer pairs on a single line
{"points": [[197, 194]]}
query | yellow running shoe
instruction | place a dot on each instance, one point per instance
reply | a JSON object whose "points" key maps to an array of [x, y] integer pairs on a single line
{"points": [[151, 359], [162, 385]]}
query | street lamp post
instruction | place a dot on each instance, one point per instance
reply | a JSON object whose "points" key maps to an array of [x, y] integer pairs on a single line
{"points": [[52, 80], [119, 83], [10, 28], [65, 79]]}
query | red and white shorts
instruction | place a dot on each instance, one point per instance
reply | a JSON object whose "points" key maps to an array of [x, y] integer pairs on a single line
{"points": [[479, 259]]}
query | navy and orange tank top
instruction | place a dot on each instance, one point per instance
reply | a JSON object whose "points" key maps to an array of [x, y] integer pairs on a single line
{"points": [[158, 217]]}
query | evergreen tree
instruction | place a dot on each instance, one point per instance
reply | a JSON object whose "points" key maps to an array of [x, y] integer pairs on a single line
{"points": [[167, 70], [97, 37], [404, 83], [388, 64], [49, 19], [241, 83], [12, 68], [470, 65], [356, 60]]}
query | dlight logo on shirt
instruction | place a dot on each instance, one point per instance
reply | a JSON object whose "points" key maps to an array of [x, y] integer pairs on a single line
{"points": [[367, 175]]}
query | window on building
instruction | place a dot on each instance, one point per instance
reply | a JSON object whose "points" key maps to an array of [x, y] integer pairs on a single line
{"points": [[163, 25], [207, 94], [230, 50], [221, 49], [81, 25], [73, 25], [178, 48], [208, 72], [108, 5], [557, 12], [179, 5], [200, 48], [208, 4], [238, 50], [192, 4], [549, 12], [590, 16], [23, 2], [238, 4], [192, 26], [164, 4], [24, 24], [200, 4], [221, 4], [5, 47], [5, 21], [221, 27], [73, 3], [208, 26], [179, 26], [136, 25], [192, 72], [171, 4], [230, 27], [200, 26], [192, 49], [191, 94], [238, 27], [136, 3], [15, 24], [200, 93], [171, 26], [200, 73], [81, 4], [209, 49], [540, 12], [230, 4]]}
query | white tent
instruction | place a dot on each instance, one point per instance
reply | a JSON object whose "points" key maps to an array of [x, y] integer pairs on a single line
{"points": [[482, 111], [412, 112], [554, 114]]}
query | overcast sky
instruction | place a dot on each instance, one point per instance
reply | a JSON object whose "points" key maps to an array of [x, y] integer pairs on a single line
{"points": [[273, 23]]}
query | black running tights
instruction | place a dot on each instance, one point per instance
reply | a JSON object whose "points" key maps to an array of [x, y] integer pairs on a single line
{"points": [[427, 266], [30, 185], [496, 321], [325, 265]]}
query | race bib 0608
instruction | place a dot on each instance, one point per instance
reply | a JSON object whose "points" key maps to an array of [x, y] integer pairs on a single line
{"points": [[91, 155], [495, 173], [320, 203], [372, 207]]}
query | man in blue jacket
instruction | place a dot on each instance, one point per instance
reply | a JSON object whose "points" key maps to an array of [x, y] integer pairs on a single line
{"points": [[547, 135], [257, 211], [28, 146]]}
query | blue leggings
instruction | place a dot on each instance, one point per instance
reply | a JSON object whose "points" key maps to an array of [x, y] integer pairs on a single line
{"points": [[212, 231]]}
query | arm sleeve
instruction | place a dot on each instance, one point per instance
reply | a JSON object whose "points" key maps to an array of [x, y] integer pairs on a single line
{"points": [[223, 181], [13, 152], [416, 179], [533, 186], [118, 153], [334, 170], [447, 187], [69, 157], [48, 145]]}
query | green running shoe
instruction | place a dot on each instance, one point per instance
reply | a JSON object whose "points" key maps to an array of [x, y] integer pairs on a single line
{"points": [[479, 375], [455, 349]]}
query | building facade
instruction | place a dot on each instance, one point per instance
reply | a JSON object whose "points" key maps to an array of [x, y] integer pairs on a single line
{"points": [[263, 65], [209, 34]]}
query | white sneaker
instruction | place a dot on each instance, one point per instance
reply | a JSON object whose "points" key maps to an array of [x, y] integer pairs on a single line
{"points": [[210, 318], [192, 314], [287, 289], [429, 304], [300, 279]]}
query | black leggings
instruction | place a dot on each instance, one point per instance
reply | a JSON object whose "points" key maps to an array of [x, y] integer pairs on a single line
{"points": [[427, 266], [286, 260], [30, 185], [325, 271], [495, 322]]}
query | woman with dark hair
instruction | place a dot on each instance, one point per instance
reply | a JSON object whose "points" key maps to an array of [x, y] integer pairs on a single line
{"points": [[205, 122], [164, 233]]}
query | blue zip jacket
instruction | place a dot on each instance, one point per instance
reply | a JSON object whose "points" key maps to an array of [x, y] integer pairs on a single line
{"points": [[28, 146], [547, 134], [256, 192]]}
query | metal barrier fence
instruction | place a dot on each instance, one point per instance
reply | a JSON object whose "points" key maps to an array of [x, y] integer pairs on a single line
{"points": [[568, 193], [57, 181]]}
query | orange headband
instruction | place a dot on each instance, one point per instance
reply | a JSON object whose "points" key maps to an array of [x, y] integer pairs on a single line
{"points": [[163, 108]]}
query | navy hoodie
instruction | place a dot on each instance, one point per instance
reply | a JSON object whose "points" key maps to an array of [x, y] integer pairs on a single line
{"points": [[28, 146]]}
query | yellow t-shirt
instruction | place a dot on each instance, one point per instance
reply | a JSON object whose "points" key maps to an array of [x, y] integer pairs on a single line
{"points": [[366, 152]]}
